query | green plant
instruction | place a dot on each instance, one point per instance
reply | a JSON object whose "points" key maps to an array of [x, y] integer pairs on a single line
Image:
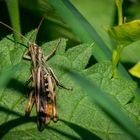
{"points": [[99, 107]]}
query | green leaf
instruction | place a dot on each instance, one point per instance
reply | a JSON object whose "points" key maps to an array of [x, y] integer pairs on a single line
{"points": [[130, 54], [135, 70], [82, 52], [80, 117], [7, 73], [126, 33], [105, 102]]}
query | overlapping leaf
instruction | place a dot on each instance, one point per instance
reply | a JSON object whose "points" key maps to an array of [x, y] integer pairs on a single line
{"points": [[126, 33], [79, 117]]}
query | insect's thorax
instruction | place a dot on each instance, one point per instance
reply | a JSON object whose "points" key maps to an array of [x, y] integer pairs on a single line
{"points": [[36, 54]]}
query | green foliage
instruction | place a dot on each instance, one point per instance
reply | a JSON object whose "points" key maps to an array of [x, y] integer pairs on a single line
{"points": [[135, 70], [126, 33], [99, 106], [80, 117], [85, 8], [130, 54], [83, 27], [13, 9]]}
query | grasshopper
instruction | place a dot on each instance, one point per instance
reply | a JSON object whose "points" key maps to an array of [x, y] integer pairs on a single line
{"points": [[43, 82]]}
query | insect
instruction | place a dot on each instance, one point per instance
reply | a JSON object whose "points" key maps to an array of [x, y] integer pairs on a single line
{"points": [[43, 83]]}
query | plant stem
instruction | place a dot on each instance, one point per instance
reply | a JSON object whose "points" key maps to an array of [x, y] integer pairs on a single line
{"points": [[115, 59], [119, 9], [117, 52], [13, 10]]}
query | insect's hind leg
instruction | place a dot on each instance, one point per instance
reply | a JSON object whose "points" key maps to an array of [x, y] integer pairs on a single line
{"points": [[57, 81], [54, 107], [30, 103], [26, 55], [52, 52], [52, 95], [29, 80]]}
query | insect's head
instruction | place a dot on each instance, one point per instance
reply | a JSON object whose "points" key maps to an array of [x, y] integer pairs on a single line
{"points": [[33, 47]]}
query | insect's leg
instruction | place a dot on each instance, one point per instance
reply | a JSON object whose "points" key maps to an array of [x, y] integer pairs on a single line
{"points": [[55, 112], [57, 81], [30, 98], [53, 51], [30, 103], [28, 81], [53, 98], [26, 55], [51, 54], [49, 110]]}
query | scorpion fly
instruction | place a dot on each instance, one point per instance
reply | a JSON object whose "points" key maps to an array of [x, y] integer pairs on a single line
{"points": [[43, 83]]}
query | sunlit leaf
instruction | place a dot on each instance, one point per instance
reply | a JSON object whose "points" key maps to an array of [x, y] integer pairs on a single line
{"points": [[135, 70], [126, 33]]}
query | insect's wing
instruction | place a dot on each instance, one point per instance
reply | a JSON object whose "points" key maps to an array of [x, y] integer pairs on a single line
{"points": [[38, 98], [44, 111]]}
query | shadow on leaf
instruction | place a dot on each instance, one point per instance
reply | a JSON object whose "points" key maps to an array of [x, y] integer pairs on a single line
{"points": [[83, 132], [18, 86], [8, 111], [7, 126]]}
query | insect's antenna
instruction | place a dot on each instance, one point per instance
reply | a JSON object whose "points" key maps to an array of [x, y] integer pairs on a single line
{"points": [[7, 26], [40, 25]]}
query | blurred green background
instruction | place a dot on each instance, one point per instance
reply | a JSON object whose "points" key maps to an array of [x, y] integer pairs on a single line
{"points": [[100, 14]]}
